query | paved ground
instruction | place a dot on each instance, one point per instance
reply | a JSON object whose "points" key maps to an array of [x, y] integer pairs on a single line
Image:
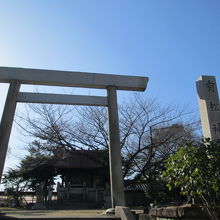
{"points": [[47, 214], [12, 212]]}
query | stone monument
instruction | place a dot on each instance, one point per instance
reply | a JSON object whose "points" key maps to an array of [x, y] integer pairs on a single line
{"points": [[209, 106], [50, 194], [39, 197]]}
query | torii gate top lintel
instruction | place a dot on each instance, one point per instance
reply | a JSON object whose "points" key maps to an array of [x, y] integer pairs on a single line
{"points": [[72, 79]]}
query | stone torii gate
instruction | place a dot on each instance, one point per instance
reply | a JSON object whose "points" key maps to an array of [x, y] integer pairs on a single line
{"points": [[17, 76]]}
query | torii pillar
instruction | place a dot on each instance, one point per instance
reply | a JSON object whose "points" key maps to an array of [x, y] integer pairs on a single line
{"points": [[7, 121], [115, 162]]}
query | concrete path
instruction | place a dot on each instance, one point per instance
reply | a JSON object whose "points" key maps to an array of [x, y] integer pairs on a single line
{"points": [[12, 213]]}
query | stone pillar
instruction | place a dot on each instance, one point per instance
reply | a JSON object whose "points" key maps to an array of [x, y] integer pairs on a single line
{"points": [[115, 161], [7, 121], [50, 194], [39, 196], [209, 106]]}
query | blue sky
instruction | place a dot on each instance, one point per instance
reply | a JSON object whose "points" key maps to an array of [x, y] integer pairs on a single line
{"points": [[172, 42]]}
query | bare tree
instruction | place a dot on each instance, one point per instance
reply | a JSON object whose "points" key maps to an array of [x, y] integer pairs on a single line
{"points": [[149, 133]]}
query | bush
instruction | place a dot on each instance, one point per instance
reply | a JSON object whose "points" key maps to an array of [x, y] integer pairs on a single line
{"points": [[195, 169]]}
